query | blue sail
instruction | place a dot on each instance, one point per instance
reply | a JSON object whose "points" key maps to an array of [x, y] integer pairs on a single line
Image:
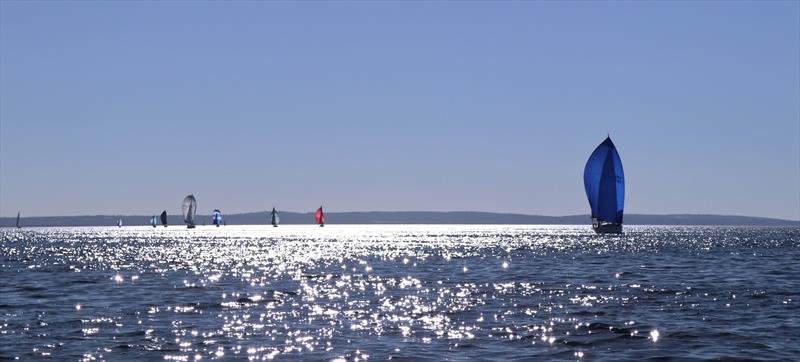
{"points": [[217, 218], [604, 181]]}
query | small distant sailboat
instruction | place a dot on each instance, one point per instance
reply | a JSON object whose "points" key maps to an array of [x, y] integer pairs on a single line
{"points": [[604, 181], [320, 217], [119, 222], [153, 221], [20, 226], [164, 218], [275, 219], [189, 209], [217, 218]]}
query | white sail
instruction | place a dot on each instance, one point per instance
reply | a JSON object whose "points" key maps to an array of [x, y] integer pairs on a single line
{"points": [[189, 208]]}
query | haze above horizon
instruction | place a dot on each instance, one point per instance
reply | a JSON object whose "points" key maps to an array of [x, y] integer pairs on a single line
{"points": [[126, 107]]}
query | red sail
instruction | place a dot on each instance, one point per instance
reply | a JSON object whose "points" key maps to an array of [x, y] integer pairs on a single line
{"points": [[320, 216]]}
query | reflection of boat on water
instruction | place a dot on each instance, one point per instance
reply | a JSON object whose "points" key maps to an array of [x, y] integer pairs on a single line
{"points": [[275, 219], [604, 182], [189, 209], [320, 217], [217, 218]]}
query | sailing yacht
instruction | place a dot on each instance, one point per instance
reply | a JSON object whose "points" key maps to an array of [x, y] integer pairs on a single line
{"points": [[217, 218], [19, 226], [189, 209], [164, 218], [119, 222], [274, 218], [604, 182], [153, 221], [320, 217]]}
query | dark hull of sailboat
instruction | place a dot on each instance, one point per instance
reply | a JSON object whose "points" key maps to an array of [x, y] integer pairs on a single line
{"points": [[607, 228], [274, 225], [190, 226], [321, 225]]}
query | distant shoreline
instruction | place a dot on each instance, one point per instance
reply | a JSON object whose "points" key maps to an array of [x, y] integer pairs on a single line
{"points": [[408, 217]]}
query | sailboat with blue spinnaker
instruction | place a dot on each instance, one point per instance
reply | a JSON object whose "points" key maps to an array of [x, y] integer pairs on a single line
{"points": [[604, 181], [217, 218]]}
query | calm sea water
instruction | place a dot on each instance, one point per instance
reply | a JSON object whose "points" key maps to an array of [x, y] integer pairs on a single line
{"points": [[418, 292]]}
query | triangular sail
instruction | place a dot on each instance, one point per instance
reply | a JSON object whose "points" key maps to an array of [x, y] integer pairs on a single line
{"points": [[18, 226], [604, 181], [320, 216], [275, 218], [153, 221], [164, 218], [189, 208]]}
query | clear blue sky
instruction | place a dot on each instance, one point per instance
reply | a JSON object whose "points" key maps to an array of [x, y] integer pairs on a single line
{"points": [[126, 107]]}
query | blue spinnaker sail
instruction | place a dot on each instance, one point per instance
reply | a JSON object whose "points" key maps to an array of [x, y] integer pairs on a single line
{"points": [[217, 219], [604, 181]]}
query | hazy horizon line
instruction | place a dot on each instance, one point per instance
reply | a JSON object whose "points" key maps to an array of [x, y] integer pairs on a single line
{"points": [[412, 211]]}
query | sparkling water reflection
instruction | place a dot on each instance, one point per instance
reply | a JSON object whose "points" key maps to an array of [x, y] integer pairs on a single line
{"points": [[418, 292]]}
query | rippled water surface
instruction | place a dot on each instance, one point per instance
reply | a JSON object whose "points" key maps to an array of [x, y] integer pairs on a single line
{"points": [[408, 292]]}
